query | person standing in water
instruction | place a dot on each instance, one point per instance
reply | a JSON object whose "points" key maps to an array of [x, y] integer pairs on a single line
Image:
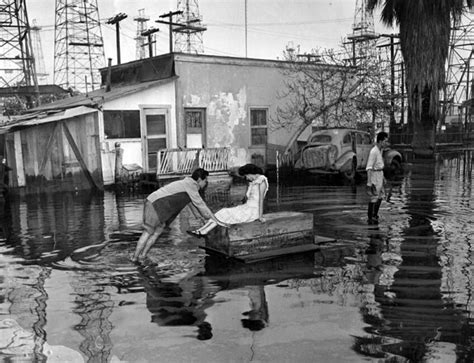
{"points": [[375, 178], [163, 206]]}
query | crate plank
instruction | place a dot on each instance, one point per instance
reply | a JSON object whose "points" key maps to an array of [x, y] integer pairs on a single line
{"points": [[280, 230]]}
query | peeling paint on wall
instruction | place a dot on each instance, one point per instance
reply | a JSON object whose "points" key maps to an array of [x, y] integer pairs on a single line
{"points": [[226, 113], [227, 119]]}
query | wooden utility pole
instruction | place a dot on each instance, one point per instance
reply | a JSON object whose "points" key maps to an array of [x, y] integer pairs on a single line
{"points": [[392, 78], [148, 33], [178, 27], [116, 20], [170, 24]]}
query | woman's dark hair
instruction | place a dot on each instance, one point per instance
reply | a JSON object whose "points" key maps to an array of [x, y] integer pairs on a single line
{"points": [[250, 169], [200, 173]]}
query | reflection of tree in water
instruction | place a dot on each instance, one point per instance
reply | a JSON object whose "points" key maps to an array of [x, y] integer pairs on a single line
{"points": [[22, 286], [412, 312], [26, 298], [334, 276], [94, 306], [47, 229]]}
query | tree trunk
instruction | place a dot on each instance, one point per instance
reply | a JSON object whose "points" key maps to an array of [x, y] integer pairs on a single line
{"points": [[424, 128], [295, 135], [423, 139]]}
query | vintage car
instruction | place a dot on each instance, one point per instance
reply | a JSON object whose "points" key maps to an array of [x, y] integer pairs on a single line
{"points": [[342, 150]]}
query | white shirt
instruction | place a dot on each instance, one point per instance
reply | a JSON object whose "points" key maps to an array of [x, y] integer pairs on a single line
{"points": [[375, 161]]}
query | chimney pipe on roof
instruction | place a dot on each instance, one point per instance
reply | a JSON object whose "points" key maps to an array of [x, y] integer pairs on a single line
{"points": [[109, 76]]}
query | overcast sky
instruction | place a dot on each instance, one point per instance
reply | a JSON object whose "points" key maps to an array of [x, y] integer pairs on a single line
{"points": [[271, 25]]}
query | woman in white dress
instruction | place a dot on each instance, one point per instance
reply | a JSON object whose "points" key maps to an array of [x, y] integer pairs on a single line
{"points": [[250, 211]]}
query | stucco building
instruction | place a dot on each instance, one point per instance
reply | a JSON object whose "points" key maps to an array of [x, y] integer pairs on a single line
{"points": [[166, 102]]}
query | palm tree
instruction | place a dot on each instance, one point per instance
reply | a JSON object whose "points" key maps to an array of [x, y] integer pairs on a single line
{"points": [[425, 27]]}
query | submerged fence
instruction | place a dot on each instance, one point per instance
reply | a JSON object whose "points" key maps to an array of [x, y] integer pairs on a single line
{"points": [[184, 161], [440, 138]]}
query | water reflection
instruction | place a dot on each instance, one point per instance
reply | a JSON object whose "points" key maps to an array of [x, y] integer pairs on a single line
{"points": [[66, 278], [413, 314]]}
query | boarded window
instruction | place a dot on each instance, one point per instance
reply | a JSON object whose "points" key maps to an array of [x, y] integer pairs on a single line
{"points": [[258, 126], [122, 124]]}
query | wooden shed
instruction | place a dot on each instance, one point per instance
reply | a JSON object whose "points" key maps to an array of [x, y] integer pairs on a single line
{"points": [[56, 152]]}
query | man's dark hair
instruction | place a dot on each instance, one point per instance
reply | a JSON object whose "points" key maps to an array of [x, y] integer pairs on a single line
{"points": [[381, 136], [200, 173], [250, 169]]}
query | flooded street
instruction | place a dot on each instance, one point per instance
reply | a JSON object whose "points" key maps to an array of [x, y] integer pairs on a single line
{"points": [[400, 291]]}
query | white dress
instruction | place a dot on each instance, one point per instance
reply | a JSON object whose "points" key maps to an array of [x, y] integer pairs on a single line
{"points": [[248, 211]]}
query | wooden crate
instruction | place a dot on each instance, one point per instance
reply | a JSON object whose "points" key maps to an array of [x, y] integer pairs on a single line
{"points": [[281, 230]]}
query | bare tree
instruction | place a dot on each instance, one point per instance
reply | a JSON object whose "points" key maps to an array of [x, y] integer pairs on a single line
{"points": [[330, 89]]}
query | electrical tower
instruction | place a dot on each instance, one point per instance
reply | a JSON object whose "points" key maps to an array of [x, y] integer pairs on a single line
{"points": [[189, 37], [78, 45], [458, 69], [41, 73], [17, 67], [140, 39]]}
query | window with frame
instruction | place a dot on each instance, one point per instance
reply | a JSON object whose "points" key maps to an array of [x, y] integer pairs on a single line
{"points": [[258, 126], [367, 140], [194, 120], [122, 124], [347, 139]]}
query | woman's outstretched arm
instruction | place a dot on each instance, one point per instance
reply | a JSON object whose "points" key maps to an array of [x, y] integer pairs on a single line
{"points": [[262, 188]]}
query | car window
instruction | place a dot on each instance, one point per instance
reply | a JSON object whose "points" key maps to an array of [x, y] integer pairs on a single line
{"points": [[321, 139], [359, 139], [347, 139], [367, 139]]}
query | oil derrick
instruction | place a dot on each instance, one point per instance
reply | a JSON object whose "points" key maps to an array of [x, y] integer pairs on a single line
{"points": [[189, 36], [363, 35], [17, 67], [459, 75], [380, 52], [78, 45], [41, 73], [362, 51], [140, 39]]}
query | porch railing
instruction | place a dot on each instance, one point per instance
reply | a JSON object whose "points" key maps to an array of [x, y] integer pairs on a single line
{"points": [[284, 159], [184, 161], [440, 138]]}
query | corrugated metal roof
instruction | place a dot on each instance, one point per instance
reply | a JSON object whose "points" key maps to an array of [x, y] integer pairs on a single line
{"points": [[97, 97], [43, 118], [75, 106]]}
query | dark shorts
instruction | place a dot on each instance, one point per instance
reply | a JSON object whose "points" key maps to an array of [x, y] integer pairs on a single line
{"points": [[151, 221]]}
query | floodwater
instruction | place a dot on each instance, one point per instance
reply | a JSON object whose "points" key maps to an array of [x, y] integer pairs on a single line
{"points": [[397, 292]]}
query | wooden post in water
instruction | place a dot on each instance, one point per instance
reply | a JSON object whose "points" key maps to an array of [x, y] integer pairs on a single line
{"points": [[278, 167], [118, 162]]}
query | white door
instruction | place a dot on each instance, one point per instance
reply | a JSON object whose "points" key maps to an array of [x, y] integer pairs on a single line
{"points": [[154, 135]]}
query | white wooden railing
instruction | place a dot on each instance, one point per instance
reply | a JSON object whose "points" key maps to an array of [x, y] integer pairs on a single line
{"points": [[184, 161], [284, 159]]}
